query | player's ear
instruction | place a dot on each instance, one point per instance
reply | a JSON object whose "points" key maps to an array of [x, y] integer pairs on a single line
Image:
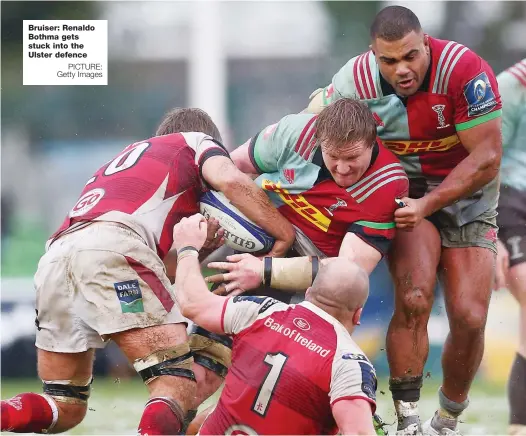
{"points": [[356, 317], [371, 47], [426, 40]]}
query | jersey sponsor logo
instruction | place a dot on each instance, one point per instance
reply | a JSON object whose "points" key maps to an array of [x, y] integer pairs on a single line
{"points": [[354, 356], [329, 90], [299, 204], [479, 95], [269, 303], [254, 299], [301, 323], [87, 202], [332, 208], [296, 336], [378, 120], [413, 147], [288, 173], [369, 381], [439, 109], [130, 296]]}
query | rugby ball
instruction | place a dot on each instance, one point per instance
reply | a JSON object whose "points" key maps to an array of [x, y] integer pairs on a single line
{"points": [[241, 234]]}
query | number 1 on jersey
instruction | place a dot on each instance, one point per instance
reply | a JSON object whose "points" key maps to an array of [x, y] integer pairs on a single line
{"points": [[276, 361]]}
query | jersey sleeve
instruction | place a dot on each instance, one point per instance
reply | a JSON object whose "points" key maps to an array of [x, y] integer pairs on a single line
{"points": [[241, 312], [475, 90], [513, 94], [353, 377], [342, 85], [279, 144], [376, 226]]}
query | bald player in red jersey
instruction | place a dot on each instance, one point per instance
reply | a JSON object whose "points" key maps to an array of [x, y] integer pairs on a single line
{"points": [[103, 277], [295, 368]]}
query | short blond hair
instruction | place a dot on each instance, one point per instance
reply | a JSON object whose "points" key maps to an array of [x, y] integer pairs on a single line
{"points": [[346, 120]]}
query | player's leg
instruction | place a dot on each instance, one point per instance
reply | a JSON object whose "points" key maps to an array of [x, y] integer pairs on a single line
{"points": [[516, 245], [64, 354], [161, 355], [467, 270], [128, 297], [512, 232], [413, 261], [66, 387]]}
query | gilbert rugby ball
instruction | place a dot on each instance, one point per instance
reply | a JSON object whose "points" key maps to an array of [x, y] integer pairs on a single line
{"points": [[241, 234]]}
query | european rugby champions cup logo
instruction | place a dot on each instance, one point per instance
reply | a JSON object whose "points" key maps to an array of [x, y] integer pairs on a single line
{"points": [[439, 109]]}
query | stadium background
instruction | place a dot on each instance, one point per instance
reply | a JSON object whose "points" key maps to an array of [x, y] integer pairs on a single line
{"points": [[248, 64]]}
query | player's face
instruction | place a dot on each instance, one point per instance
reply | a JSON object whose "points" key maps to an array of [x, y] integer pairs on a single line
{"points": [[347, 162], [403, 63]]}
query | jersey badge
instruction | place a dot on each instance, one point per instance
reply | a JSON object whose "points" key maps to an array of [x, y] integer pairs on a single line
{"points": [[288, 173], [301, 323], [333, 207], [130, 296], [87, 202], [479, 95], [439, 109]]}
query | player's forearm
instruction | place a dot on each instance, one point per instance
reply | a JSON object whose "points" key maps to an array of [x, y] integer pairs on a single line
{"points": [[191, 291], [255, 204], [469, 176]]}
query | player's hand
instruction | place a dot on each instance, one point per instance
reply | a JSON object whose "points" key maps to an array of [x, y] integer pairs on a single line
{"points": [[191, 232], [502, 266], [409, 216], [280, 248], [244, 272], [215, 236]]}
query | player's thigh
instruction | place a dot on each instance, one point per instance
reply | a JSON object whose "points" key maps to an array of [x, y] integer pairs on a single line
{"points": [[467, 270], [66, 380], [413, 260], [512, 232], [59, 328], [121, 282]]}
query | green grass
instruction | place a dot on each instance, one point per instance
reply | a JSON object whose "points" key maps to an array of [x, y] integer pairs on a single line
{"points": [[115, 406]]}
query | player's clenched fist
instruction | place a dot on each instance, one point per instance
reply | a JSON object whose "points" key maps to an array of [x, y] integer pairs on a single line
{"points": [[411, 213], [191, 232]]}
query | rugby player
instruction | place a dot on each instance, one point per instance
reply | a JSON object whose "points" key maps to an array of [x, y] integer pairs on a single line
{"points": [[334, 181], [511, 253], [438, 108], [295, 368], [102, 277]]}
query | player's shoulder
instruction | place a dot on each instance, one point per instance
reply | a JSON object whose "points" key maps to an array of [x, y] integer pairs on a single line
{"points": [[358, 78], [348, 352], [295, 132], [514, 77], [264, 306], [456, 66]]}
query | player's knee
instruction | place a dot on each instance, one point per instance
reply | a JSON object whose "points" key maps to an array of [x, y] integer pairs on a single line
{"points": [[415, 304], [208, 382], [69, 402], [468, 318], [168, 372], [212, 351]]}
